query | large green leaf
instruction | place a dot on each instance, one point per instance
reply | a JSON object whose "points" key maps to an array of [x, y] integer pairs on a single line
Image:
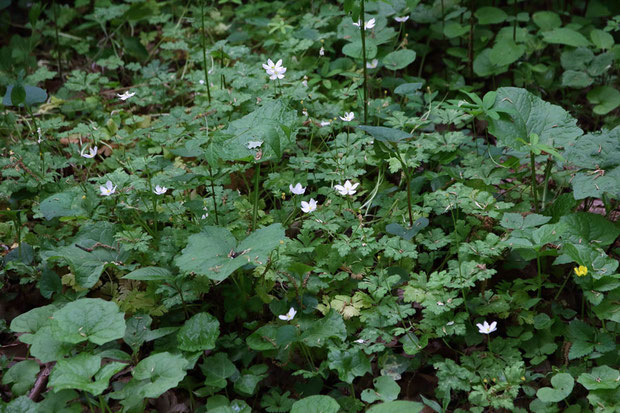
{"points": [[349, 364], [64, 204], [564, 35], [490, 15], [30, 95], [386, 390], [384, 134], [523, 114], [274, 124], [214, 252], [199, 333], [319, 331], [316, 404], [585, 228], [83, 372], [92, 319], [22, 376], [98, 250], [217, 369], [354, 49], [605, 98], [598, 156], [562, 386]]}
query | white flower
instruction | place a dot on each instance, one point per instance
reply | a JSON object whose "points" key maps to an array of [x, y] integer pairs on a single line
{"points": [[125, 95], [450, 323], [347, 188], [401, 19], [367, 25], [304, 82], [308, 206], [348, 116], [160, 190], [325, 123], [486, 328], [40, 139], [275, 71], [201, 81], [322, 51], [305, 112], [288, 316], [108, 189], [254, 144], [92, 152], [372, 65], [359, 341], [297, 189]]}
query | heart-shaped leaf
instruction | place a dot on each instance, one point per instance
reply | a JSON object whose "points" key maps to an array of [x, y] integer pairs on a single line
{"points": [[562, 386]]}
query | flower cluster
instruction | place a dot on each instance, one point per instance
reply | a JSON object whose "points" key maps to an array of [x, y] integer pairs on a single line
{"points": [[367, 25], [275, 71]]}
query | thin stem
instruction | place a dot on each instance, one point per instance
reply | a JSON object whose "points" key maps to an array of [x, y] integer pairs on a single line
{"points": [[213, 195], [546, 182], [408, 179], [204, 50], [540, 280], [363, 30], [55, 7], [514, 27], [255, 211], [534, 189], [561, 287]]}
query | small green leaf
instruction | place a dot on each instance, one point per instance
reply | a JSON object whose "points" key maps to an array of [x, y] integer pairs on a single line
{"points": [[601, 39], [605, 98], [21, 376], [386, 390], [547, 20], [490, 15]]}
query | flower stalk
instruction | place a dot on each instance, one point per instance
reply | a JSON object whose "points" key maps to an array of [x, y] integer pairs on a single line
{"points": [[365, 85]]}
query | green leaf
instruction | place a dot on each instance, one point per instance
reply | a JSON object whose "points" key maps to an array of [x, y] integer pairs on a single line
{"points": [[274, 123], [562, 387], [327, 327], [397, 406], [454, 29], [89, 265], [506, 52], [564, 35], [547, 20], [383, 134], [217, 369], [23, 404], [490, 15], [523, 114], [408, 89], [214, 251], [199, 333], [576, 79], [407, 234], [64, 204], [399, 59], [156, 374], [584, 227], [149, 274], [354, 49], [386, 390], [32, 321], [83, 372], [92, 319], [606, 99], [316, 404], [57, 402], [136, 331], [601, 39], [600, 378], [349, 364], [22, 376], [18, 95], [263, 339]]}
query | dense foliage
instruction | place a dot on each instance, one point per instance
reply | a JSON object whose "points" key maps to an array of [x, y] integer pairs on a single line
{"points": [[309, 206]]}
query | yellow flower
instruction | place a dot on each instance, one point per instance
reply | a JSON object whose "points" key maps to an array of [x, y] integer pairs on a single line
{"points": [[581, 271]]}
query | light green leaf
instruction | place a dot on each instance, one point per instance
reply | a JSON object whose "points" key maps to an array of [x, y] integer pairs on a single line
{"points": [[524, 114], [83, 372], [383, 134], [92, 319], [327, 327], [601, 39], [399, 59], [349, 364], [490, 15], [214, 251], [316, 404], [547, 20], [217, 369], [64, 204], [31, 95], [606, 99], [600, 378], [199, 333], [157, 373], [149, 274], [562, 387], [506, 52], [564, 35], [386, 390], [576, 79], [354, 49], [22, 376]]}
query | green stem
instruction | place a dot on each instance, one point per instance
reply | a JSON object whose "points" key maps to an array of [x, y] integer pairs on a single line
{"points": [[204, 50], [363, 29], [546, 182], [255, 211], [534, 189], [408, 178], [561, 287], [55, 7], [540, 280], [213, 195]]}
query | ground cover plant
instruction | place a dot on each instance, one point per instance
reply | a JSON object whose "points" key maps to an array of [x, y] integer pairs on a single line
{"points": [[309, 206]]}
